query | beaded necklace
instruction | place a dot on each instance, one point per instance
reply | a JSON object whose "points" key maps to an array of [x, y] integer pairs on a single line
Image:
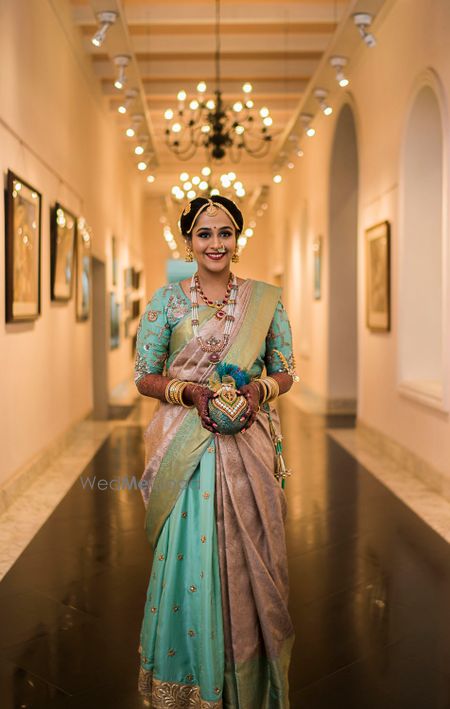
{"points": [[218, 304], [213, 345]]}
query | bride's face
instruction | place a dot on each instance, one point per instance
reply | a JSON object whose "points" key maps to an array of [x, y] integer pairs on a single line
{"points": [[214, 241]]}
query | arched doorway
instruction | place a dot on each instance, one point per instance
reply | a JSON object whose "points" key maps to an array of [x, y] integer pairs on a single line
{"points": [[342, 373]]}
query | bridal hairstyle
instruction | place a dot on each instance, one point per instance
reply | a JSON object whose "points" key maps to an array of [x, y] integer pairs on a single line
{"points": [[199, 204]]}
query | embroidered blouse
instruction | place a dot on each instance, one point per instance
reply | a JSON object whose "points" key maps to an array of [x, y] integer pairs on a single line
{"points": [[169, 304]]}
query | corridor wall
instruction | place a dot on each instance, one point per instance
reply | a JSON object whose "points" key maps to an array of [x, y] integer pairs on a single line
{"points": [[56, 132], [411, 52]]}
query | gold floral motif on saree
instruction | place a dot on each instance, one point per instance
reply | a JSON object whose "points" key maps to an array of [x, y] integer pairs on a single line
{"points": [[173, 695]]}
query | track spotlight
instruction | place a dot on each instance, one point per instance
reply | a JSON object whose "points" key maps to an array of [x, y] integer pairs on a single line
{"points": [[338, 63], [321, 95], [130, 95], [362, 21], [121, 61], [306, 119], [105, 20]]}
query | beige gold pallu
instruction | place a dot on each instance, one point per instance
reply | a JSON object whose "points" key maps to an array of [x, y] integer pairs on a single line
{"points": [[250, 506]]}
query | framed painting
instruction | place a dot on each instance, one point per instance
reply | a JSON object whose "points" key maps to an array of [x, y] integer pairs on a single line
{"points": [[136, 278], [83, 270], [63, 230], [114, 314], [22, 250], [378, 296], [317, 256], [114, 260]]}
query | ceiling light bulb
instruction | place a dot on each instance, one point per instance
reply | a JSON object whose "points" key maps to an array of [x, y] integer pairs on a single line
{"points": [[267, 121], [237, 106], [181, 95], [214, 192], [151, 178], [249, 104], [122, 109], [310, 132], [247, 87], [242, 241], [142, 165], [139, 149], [232, 175], [201, 87], [194, 105], [195, 180], [130, 132], [248, 232], [187, 185], [210, 104], [203, 185], [239, 130], [105, 19], [191, 194], [206, 171], [168, 114], [176, 128], [277, 179], [184, 176], [264, 111], [205, 129]]}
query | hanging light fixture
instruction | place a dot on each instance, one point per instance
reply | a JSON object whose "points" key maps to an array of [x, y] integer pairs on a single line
{"points": [[224, 131], [206, 184]]}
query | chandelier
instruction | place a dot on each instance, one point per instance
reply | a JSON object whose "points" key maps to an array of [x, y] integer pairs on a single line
{"points": [[224, 131], [206, 184]]}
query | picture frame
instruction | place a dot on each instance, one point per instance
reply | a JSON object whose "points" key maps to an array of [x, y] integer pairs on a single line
{"points": [[23, 210], [83, 271], [63, 232], [317, 265], [378, 266], [136, 278], [114, 314], [114, 260]]}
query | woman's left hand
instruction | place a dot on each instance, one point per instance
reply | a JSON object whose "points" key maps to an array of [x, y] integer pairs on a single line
{"points": [[251, 392]]}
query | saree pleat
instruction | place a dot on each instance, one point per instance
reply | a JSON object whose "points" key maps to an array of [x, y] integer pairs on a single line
{"points": [[235, 554]]}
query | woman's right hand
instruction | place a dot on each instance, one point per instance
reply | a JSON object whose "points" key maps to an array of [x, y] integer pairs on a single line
{"points": [[199, 395]]}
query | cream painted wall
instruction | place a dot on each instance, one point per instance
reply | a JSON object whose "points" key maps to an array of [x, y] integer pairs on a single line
{"points": [[412, 39], [51, 101]]}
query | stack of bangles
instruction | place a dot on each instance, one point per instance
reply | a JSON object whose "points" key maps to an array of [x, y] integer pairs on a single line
{"points": [[173, 392], [269, 388]]}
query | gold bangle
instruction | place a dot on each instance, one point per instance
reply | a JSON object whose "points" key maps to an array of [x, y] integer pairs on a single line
{"points": [[275, 388]]}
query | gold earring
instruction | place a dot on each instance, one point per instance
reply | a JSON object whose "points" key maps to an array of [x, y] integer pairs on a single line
{"points": [[235, 256], [189, 255]]}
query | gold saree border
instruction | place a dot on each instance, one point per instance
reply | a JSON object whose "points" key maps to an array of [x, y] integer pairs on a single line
{"points": [[165, 694], [191, 439]]}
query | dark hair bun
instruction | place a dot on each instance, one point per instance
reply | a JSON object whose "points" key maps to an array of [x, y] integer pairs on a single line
{"points": [[186, 220]]}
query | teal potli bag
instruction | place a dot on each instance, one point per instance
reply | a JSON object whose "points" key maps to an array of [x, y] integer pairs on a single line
{"points": [[228, 406]]}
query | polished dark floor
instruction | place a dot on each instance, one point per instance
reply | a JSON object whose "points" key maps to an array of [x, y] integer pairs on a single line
{"points": [[369, 588]]}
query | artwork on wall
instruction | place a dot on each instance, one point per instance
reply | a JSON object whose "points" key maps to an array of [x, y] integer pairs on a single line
{"points": [[136, 308], [114, 260], [83, 270], [136, 278], [128, 277], [114, 314], [63, 230], [317, 254], [378, 295], [22, 250]]}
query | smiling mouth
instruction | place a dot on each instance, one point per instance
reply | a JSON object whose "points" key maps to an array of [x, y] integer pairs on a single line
{"points": [[215, 256]]}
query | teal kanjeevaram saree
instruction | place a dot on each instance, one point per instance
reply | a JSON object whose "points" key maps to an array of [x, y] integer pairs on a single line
{"points": [[216, 631]]}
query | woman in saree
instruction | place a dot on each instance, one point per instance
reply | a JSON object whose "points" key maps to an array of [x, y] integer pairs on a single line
{"points": [[216, 630]]}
